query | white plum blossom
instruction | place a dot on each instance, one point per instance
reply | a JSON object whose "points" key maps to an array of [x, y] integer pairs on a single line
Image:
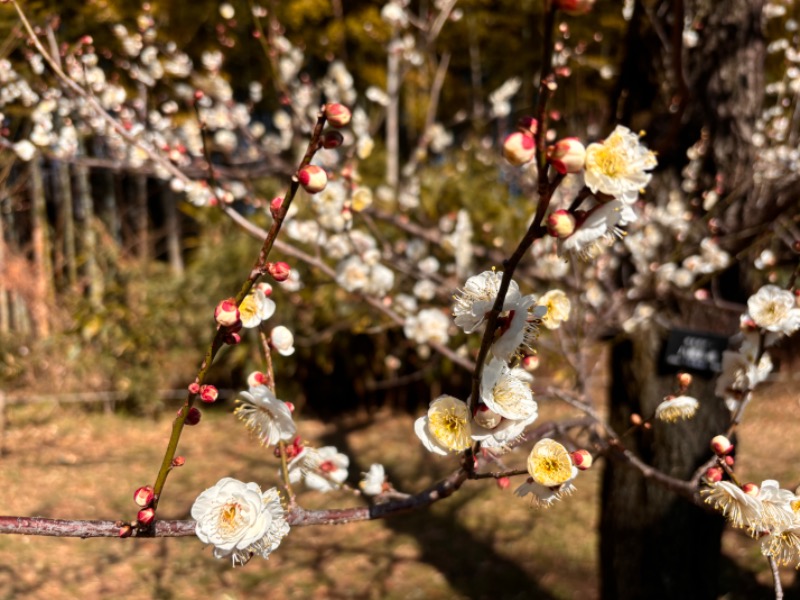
{"points": [[549, 464], [267, 417], [424, 289], [372, 482], [239, 520], [446, 426], [558, 308], [25, 150], [519, 329], [429, 325], [741, 509], [599, 228], [740, 374], [506, 391], [618, 166], [282, 340], [255, 308], [477, 298], [674, 409], [321, 469], [774, 309], [543, 496]]}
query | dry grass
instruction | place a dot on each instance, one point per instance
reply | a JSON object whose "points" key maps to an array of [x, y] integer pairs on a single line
{"points": [[482, 543]]}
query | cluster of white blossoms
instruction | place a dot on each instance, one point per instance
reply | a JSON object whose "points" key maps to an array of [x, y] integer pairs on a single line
{"points": [[239, 520], [615, 171], [769, 513], [321, 469], [262, 413], [505, 406], [773, 313]]}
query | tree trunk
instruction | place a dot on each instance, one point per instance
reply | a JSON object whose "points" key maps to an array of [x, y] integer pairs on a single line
{"points": [[64, 191], [173, 230], [141, 220], [40, 236], [91, 272], [653, 544]]}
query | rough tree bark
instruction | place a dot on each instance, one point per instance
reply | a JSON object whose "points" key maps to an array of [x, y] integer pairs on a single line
{"points": [[654, 545]]}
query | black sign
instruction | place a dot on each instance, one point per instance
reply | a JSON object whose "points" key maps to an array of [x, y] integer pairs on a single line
{"points": [[695, 350]]}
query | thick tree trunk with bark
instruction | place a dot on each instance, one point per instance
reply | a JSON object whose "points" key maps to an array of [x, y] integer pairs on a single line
{"points": [[653, 544]]}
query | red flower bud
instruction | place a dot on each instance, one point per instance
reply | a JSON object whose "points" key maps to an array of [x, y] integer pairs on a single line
{"points": [[574, 7], [582, 459], [338, 115], [194, 387], [193, 416], [567, 155], [751, 489], [178, 461], [125, 531], [146, 516], [714, 474], [279, 270], [232, 338], [561, 224], [519, 148], [208, 393], [312, 178], [275, 206], [721, 445], [503, 482], [332, 139], [143, 496], [530, 363], [227, 313]]}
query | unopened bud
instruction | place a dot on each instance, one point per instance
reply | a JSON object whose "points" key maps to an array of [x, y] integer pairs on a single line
{"points": [[332, 139], [796, 246], [178, 461], [567, 155], [125, 531], [503, 482], [194, 387], [209, 393], [519, 148], [751, 489], [561, 224], [146, 516], [721, 445], [143, 496], [290, 406], [338, 115], [530, 363], [528, 125], [256, 378], [684, 380], [232, 338], [264, 287], [582, 459], [279, 270], [227, 313], [714, 474], [312, 178], [574, 7], [486, 417], [729, 460], [275, 206], [193, 416], [198, 95], [636, 419]]}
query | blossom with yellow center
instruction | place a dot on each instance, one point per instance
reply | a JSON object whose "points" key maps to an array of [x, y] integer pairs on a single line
{"points": [[674, 409], [549, 463], [618, 165], [773, 309], [558, 308], [255, 307], [783, 545], [741, 509], [446, 427], [506, 391]]}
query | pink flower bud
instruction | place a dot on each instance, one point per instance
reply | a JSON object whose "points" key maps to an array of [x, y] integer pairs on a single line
{"points": [[198, 95], [125, 531], [530, 363], [338, 115], [529, 125], [279, 270], [146, 516], [503, 482], [312, 178], [193, 416], [574, 7], [519, 148], [232, 338], [332, 139], [567, 155], [143, 496], [194, 387], [290, 406], [684, 380], [751, 489], [178, 461], [721, 445], [209, 393], [227, 313], [714, 474], [264, 288], [256, 378], [636, 419], [729, 460], [582, 459], [561, 224], [275, 206]]}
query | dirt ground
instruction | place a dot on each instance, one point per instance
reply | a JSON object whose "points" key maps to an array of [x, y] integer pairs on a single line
{"points": [[482, 543]]}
